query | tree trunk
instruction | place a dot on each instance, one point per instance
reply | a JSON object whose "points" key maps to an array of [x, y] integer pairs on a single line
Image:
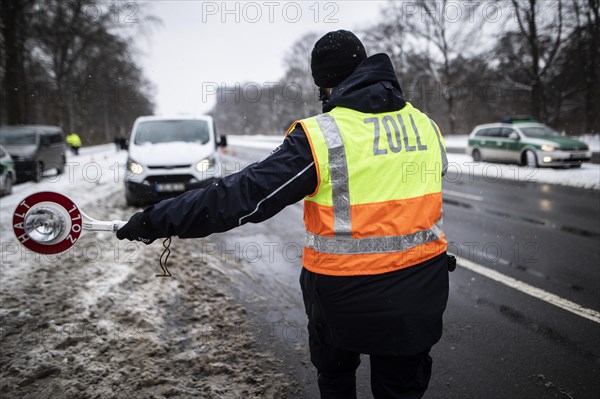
{"points": [[591, 68], [13, 21], [536, 87], [106, 120]]}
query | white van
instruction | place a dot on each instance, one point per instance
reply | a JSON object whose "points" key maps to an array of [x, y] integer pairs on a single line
{"points": [[169, 155]]}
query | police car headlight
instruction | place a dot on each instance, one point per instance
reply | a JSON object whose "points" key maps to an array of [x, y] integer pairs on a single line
{"points": [[205, 164], [546, 147], [135, 167]]}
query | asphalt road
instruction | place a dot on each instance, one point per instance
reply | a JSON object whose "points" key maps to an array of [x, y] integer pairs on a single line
{"points": [[503, 343], [498, 342]]}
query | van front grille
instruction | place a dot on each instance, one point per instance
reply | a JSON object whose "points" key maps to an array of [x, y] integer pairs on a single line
{"points": [[168, 166], [158, 179]]}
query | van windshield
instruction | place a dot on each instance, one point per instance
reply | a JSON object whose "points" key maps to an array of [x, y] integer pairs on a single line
{"points": [[188, 131], [12, 137]]}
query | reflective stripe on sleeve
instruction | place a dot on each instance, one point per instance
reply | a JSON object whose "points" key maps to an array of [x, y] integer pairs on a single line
{"points": [[259, 203]]}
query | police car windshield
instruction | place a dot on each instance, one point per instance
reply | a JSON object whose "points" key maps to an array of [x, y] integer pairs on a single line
{"points": [[539, 131], [167, 131], [10, 137]]}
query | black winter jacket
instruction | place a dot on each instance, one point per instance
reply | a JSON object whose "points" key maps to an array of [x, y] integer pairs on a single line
{"points": [[287, 175], [397, 313]]}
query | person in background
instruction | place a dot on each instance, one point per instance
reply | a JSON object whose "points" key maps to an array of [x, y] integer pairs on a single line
{"points": [[120, 143], [375, 269], [74, 142]]}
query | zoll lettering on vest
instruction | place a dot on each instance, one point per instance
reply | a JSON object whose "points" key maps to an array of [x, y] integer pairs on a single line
{"points": [[378, 204]]}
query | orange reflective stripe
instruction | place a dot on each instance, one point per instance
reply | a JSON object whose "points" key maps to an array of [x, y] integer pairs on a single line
{"points": [[318, 218], [389, 218], [292, 127], [395, 218], [369, 264]]}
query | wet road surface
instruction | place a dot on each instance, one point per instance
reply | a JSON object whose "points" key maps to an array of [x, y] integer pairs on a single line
{"points": [[498, 342]]}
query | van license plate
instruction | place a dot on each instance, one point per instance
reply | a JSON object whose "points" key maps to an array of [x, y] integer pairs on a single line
{"points": [[169, 187]]}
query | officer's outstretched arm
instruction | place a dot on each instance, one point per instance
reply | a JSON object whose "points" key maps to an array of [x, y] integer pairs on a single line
{"points": [[254, 194]]}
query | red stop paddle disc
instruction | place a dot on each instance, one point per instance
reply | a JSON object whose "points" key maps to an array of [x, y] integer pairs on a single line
{"points": [[47, 222]]}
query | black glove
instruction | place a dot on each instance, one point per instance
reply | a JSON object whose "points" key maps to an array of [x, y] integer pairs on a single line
{"points": [[138, 228]]}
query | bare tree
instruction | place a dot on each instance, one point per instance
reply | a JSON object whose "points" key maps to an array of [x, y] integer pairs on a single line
{"points": [[69, 35], [587, 43], [450, 37], [542, 40], [14, 19], [389, 39], [298, 76], [72, 64], [462, 70]]}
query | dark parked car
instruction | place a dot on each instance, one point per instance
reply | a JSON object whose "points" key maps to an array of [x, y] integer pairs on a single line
{"points": [[7, 172], [35, 149]]}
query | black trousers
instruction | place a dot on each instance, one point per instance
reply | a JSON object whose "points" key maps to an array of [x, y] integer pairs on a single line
{"points": [[395, 318], [391, 376]]}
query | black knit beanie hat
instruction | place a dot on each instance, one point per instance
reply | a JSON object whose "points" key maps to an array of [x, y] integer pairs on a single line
{"points": [[335, 56]]}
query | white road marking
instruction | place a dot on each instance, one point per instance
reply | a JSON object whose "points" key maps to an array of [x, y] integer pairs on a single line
{"points": [[463, 195], [545, 296]]}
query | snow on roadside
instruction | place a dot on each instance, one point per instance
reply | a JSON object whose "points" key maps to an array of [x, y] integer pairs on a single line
{"points": [[94, 171], [588, 176], [94, 321], [459, 141], [258, 141], [94, 174], [592, 140], [462, 140]]}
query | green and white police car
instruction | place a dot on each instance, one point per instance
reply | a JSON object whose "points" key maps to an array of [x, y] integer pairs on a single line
{"points": [[525, 142]]}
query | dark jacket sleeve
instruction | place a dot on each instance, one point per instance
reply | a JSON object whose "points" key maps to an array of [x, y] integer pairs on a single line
{"points": [[254, 194]]}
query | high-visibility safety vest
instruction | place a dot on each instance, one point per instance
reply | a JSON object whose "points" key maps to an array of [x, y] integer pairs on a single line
{"points": [[378, 203], [73, 140]]}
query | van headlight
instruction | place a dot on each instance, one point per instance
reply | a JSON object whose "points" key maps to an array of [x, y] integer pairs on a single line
{"points": [[205, 164], [134, 167], [546, 147]]}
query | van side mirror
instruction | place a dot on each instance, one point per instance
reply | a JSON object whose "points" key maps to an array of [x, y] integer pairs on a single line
{"points": [[513, 136], [223, 141]]}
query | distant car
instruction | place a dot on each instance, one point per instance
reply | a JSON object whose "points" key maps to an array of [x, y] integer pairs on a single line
{"points": [[8, 175], [170, 155], [35, 149], [526, 142]]}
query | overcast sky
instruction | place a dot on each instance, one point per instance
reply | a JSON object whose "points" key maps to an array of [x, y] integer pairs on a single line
{"points": [[204, 44]]}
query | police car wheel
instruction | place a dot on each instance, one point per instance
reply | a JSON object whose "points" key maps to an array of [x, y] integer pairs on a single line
{"points": [[530, 159], [476, 156]]}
